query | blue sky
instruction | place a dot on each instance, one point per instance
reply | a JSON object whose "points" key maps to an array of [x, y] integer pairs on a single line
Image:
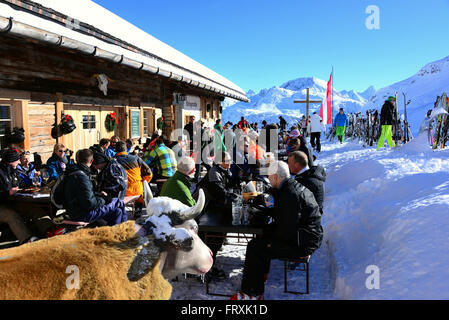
{"points": [[263, 43]]}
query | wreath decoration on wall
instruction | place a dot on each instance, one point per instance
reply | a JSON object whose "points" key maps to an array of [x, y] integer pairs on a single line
{"points": [[111, 122]]}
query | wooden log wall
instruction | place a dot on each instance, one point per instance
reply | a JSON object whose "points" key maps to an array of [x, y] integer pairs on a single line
{"points": [[30, 66], [41, 119], [53, 76]]}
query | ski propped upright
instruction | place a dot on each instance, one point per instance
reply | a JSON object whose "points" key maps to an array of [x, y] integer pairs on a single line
{"points": [[444, 123], [439, 126]]}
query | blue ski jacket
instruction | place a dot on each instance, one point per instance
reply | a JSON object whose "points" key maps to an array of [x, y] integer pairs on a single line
{"points": [[341, 120]]}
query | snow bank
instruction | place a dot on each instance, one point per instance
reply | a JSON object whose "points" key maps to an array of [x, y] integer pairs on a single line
{"points": [[389, 209]]}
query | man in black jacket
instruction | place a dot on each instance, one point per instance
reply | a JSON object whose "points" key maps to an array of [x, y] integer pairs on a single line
{"points": [[312, 178], [189, 127], [80, 200], [217, 186], [9, 186], [387, 121], [296, 231]]}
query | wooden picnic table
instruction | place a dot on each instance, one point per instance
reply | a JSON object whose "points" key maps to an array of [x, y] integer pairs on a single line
{"points": [[221, 223], [212, 223], [40, 199]]}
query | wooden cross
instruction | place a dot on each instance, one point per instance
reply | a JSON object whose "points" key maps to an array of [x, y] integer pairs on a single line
{"points": [[307, 101]]}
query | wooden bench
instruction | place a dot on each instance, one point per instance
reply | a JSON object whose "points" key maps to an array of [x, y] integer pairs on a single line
{"points": [[293, 265]]}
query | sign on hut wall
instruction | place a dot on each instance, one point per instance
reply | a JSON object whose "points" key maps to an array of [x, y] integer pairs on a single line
{"points": [[135, 124]]}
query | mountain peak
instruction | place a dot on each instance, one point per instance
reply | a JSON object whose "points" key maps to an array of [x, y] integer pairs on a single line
{"points": [[250, 93], [304, 83], [368, 93]]}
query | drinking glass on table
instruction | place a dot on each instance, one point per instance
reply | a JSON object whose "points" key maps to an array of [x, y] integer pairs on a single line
{"points": [[36, 181], [259, 187], [45, 176], [236, 212], [245, 214]]}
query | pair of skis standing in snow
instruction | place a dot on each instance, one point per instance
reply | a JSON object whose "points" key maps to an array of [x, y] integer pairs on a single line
{"points": [[393, 129], [438, 133], [372, 127]]}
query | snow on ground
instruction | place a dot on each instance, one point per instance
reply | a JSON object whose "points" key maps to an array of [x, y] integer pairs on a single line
{"points": [[388, 209]]}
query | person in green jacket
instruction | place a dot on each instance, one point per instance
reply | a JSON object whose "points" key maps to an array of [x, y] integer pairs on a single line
{"points": [[178, 186], [219, 139]]}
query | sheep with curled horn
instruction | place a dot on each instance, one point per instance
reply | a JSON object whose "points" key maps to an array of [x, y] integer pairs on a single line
{"points": [[126, 261]]}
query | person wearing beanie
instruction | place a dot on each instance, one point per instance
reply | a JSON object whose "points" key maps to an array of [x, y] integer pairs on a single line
{"points": [[112, 178], [9, 183], [81, 201], [387, 121], [138, 172]]}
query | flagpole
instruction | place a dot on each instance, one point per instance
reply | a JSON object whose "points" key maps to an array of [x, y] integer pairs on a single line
{"points": [[332, 96]]}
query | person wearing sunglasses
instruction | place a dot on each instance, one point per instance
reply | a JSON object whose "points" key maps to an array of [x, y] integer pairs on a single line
{"points": [[57, 163], [110, 151]]}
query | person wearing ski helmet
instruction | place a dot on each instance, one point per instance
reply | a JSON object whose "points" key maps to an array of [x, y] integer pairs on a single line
{"points": [[387, 121]]}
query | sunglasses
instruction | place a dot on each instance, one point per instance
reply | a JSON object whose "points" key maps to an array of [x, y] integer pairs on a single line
{"points": [[61, 151]]}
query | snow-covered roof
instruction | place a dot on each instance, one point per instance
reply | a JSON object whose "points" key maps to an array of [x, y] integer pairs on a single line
{"points": [[162, 57]]}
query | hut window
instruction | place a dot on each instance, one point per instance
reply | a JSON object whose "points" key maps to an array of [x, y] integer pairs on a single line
{"points": [[89, 122], [5, 124], [146, 116]]}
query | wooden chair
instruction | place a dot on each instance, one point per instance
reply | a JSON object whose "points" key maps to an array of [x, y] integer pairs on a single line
{"points": [[130, 202], [294, 264]]}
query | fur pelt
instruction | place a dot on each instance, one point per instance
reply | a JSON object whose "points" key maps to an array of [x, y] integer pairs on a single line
{"points": [[37, 271]]}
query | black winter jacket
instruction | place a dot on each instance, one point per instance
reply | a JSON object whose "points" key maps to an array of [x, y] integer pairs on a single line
{"points": [[217, 186], [387, 114], [313, 179], [97, 148], [8, 180], [79, 196], [113, 180], [307, 151], [297, 218]]}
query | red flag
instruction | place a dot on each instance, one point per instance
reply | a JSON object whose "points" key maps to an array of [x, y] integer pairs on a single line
{"points": [[326, 108]]}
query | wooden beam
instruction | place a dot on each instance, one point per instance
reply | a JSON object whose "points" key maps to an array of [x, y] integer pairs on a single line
{"points": [[141, 122], [22, 120], [59, 109], [14, 94]]}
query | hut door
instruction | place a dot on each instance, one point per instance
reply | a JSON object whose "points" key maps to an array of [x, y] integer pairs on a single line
{"points": [[87, 132], [90, 125]]}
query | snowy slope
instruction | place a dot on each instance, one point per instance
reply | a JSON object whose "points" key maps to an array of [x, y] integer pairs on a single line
{"points": [[270, 103], [422, 89], [388, 209], [385, 208]]}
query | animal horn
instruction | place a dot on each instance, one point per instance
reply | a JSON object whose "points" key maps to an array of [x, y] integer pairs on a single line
{"points": [[192, 213], [148, 195]]}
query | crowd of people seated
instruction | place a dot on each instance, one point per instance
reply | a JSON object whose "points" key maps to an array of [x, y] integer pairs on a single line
{"points": [[97, 180]]}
